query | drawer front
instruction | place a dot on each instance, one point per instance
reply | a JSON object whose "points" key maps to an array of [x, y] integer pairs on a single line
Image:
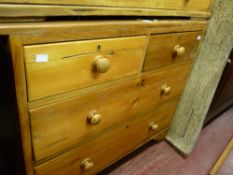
{"points": [[196, 5], [109, 146], [56, 68], [58, 126], [168, 49]]}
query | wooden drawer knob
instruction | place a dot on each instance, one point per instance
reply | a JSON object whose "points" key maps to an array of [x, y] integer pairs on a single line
{"points": [[153, 126], [94, 118], [87, 164], [179, 50], [165, 89], [102, 64]]}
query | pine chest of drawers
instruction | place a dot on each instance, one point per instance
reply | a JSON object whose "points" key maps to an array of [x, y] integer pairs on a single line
{"points": [[89, 93]]}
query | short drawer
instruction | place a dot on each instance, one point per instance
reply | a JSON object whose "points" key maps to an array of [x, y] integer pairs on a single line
{"points": [[61, 67], [94, 155], [167, 49], [60, 125]]}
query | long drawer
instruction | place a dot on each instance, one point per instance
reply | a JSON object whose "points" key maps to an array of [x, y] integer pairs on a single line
{"points": [[62, 67], [169, 49], [97, 153], [60, 125], [193, 5]]}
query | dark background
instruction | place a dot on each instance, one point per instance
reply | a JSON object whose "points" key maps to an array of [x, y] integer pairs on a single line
{"points": [[11, 159]]}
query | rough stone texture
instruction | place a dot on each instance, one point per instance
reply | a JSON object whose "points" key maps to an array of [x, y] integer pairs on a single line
{"points": [[204, 78]]}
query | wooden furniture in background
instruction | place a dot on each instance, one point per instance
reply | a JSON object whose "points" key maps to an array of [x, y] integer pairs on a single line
{"points": [[223, 98], [22, 8]]}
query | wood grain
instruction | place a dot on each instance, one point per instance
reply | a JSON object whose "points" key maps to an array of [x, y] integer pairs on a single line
{"points": [[65, 123], [21, 19], [21, 95], [112, 143], [160, 51], [83, 91], [70, 65], [19, 10], [47, 32], [194, 5], [38, 33]]}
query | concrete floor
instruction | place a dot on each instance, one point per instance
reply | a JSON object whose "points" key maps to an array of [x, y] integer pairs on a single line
{"points": [[162, 159]]}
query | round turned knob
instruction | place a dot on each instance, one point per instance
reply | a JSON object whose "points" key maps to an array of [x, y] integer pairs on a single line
{"points": [[154, 126], [179, 50], [87, 164], [165, 89], [94, 118], [102, 64]]}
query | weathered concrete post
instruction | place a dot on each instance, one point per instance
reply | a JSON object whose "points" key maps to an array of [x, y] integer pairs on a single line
{"points": [[204, 78]]}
